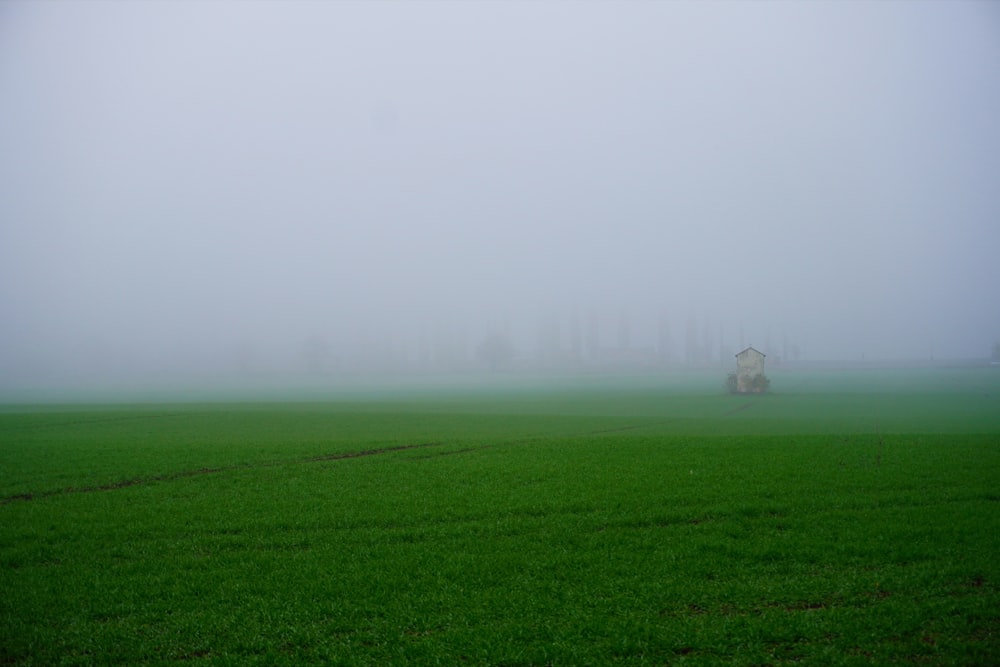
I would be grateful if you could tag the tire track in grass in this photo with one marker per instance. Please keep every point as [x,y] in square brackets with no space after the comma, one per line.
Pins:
[168,477]
[631,427]
[745,406]
[616,430]
[450,452]
[86,422]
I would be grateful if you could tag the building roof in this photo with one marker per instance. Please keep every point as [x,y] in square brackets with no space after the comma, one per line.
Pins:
[749,349]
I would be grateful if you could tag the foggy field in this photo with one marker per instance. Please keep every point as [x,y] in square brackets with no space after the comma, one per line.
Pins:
[386,333]
[850,520]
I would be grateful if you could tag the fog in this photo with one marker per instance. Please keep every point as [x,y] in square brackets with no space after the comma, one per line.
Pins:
[265,187]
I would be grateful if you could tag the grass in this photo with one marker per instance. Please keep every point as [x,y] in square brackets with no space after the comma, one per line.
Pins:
[628,524]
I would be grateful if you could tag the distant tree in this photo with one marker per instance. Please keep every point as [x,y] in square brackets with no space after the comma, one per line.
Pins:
[575,337]
[996,352]
[691,354]
[592,336]
[315,354]
[663,341]
[624,332]
[495,350]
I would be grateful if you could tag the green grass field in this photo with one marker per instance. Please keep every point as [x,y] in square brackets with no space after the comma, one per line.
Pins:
[847,518]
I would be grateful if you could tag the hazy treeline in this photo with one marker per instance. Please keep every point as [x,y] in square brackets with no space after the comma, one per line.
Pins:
[575,339]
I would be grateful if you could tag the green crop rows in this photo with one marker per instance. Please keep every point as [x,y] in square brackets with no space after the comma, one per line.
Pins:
[848,518]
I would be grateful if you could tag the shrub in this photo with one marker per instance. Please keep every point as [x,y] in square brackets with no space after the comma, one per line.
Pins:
[760,384]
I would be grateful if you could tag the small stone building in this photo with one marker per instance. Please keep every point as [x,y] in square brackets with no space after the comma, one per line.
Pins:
[750,366]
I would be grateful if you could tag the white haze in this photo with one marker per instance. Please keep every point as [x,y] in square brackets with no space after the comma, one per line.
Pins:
[194,188]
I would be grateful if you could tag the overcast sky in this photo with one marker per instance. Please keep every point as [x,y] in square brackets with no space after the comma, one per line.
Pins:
[180,178]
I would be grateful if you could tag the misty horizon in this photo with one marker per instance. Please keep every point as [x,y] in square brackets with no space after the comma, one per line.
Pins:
[298,186]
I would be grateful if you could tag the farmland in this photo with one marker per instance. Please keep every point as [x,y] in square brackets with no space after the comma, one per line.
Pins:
[847,518]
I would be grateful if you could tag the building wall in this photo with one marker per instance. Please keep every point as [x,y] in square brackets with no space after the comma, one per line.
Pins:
[749,364]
